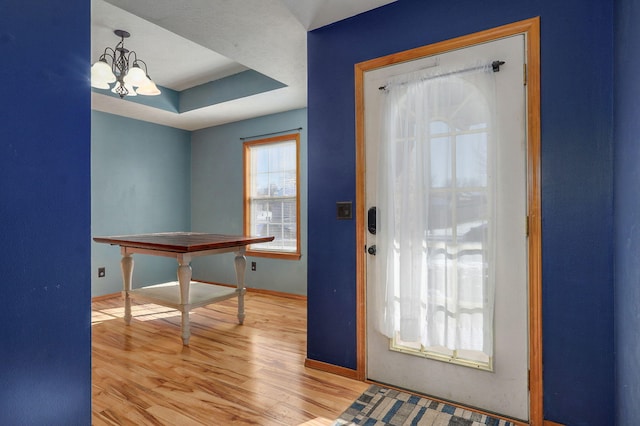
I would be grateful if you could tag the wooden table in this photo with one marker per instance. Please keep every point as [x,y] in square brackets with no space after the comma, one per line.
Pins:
[183,294]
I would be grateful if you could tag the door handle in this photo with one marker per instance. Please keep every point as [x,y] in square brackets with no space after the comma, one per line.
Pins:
[372,250]
[371,220]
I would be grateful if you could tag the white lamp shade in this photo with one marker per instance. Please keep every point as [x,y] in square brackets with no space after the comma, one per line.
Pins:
[101,74]
[149,89]
[99,85]
[136,77]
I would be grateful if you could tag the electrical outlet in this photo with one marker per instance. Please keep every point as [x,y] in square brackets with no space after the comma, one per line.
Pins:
[101,272]
[253,266]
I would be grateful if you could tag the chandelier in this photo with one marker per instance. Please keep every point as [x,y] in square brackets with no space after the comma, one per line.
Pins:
[124,70]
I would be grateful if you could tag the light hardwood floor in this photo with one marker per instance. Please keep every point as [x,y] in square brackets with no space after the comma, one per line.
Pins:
[251,374]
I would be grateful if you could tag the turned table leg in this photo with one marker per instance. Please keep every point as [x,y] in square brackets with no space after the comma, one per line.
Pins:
[126,265]
[240,265]
[184,279]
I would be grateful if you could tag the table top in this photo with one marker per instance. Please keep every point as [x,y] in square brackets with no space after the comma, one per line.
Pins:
[181,242]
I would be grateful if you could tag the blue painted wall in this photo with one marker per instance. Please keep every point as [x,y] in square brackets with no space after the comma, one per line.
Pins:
[45,347]
[140,182]
[217,185]
[236,86]
[577,180]
[627,208]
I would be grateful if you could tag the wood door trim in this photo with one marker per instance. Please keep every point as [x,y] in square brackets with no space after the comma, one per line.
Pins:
[531,29]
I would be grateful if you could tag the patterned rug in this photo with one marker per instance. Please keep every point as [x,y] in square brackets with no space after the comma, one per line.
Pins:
[381,406]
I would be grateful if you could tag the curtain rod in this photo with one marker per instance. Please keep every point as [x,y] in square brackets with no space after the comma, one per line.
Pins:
[495,67]
[269,134]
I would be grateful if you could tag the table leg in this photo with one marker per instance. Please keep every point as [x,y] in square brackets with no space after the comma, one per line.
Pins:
[184,279]
[126,265]
[240,265]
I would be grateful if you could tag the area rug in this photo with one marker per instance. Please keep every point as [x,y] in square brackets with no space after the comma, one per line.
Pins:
[381,406]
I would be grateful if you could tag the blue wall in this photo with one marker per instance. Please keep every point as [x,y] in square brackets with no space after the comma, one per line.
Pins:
[577,179]
[145,178]
[140,182]
[627,208]
[45,347]
[217,185]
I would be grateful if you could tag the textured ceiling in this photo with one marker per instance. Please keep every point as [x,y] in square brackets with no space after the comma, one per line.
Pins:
[187,44]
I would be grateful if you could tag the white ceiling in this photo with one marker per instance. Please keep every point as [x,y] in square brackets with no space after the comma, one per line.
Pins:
[191,42]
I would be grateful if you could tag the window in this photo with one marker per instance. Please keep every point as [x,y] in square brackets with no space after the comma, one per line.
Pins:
[436,246]
[272,196]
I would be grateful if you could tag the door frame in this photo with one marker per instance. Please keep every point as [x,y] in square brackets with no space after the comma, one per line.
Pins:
[531,29]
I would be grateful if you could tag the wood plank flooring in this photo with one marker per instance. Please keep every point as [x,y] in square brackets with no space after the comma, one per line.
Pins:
[251,374]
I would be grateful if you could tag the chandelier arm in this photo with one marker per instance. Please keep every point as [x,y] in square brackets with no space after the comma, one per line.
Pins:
[146,72]
[108,53]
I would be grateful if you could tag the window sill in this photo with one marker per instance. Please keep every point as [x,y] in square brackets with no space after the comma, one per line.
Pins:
[274,255]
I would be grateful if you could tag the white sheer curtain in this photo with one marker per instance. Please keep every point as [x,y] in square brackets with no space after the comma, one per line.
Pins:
[435,199]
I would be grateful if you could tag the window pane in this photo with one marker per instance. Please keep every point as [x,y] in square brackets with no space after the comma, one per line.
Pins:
[283,156]
[440,162]
[261,217]
[260,185]
[289,157]
[439,218]
[276,182]
[436,127]
[472,210]
[289,186]
[260,159]
[471,160]
[276,218]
